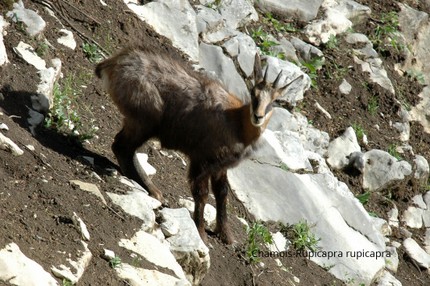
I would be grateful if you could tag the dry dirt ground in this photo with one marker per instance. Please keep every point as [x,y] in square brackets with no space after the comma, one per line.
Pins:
[37,199]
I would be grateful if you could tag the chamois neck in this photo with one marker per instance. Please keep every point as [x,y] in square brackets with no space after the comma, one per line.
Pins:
[250,132]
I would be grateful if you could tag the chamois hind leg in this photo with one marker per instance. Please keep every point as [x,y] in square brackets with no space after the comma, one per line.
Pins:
[200,191]
[124,146]
[220,188]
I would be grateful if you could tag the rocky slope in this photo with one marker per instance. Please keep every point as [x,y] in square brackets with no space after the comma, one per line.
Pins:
[345,152]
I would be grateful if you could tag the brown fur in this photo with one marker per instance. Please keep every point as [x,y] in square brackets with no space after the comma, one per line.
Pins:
[161,97]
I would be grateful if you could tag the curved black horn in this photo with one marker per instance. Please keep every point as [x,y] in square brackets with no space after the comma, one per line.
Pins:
[278,78]
[265,74]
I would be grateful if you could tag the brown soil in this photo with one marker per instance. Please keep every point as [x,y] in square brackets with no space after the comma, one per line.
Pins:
[37,199]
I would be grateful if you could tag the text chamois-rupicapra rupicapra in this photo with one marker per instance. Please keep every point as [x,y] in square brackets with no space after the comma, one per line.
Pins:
[161,97]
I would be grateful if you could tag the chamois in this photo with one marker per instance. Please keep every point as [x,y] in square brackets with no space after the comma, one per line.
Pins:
[161,97]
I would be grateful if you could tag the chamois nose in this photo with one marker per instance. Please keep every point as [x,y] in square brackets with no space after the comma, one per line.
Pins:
[257,120]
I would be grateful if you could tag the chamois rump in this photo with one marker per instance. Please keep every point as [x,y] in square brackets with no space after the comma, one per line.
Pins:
[163,98]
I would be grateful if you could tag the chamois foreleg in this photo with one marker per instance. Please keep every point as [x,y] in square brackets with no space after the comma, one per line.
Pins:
[220,188]
[125,145]
[200,192]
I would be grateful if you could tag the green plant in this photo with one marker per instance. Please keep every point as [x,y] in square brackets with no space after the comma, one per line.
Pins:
[304,239]
[66,282]
[284,167]
[92,52]
[41,49]
[372,105]
[359,130]
[63,115]
[115,262]
[277,25]
[265,43]
[257,235]
[392,150]
[416,75]
[311,68]
[332,42]
[386,33]
[363,198]
[214,5]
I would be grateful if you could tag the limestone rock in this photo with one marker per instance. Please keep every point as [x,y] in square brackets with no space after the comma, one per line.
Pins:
[304,10]
[382,169]
[187,246]
[138,204]
[417,253]
[175,20]
[340,148]
[34,24]
[18,269]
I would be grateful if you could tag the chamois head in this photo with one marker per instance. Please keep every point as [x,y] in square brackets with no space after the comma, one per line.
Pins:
[263,94]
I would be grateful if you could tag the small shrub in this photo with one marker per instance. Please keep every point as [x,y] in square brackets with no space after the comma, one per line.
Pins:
[257,235]
[92,52]
[304,239]
[115,262]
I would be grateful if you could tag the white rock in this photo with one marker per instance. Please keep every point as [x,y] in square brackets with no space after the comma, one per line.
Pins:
[426,218]
[3,54]
[387,279]
[412,217]
[18,269]
[290,72]
[427,240]
[280,243]
[44,99]
[27,53]
[340,215]
[340,148]
[237,13]
[3,126]
[77,269]
[67,39]
[426,198]
[145,277]
[304,10]
[377,73]
[9,145]
[307,51]
[142,160]
[153,250]
[212,59]
[175,20]
[247,50]
[34,24]
[209,213]
[79,223]
[345,87]
[382,226]
[187,246]
[393,217]
[418,200]
[138,204]
[132,184]
[381,169]
[422,169]
[108,254]
[392,263]
[417,253]
[211,26]
[88,187]
[313,140]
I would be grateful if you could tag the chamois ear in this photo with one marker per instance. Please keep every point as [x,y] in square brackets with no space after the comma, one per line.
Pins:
[280,90]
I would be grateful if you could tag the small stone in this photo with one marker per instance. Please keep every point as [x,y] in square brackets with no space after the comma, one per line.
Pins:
[417,253]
